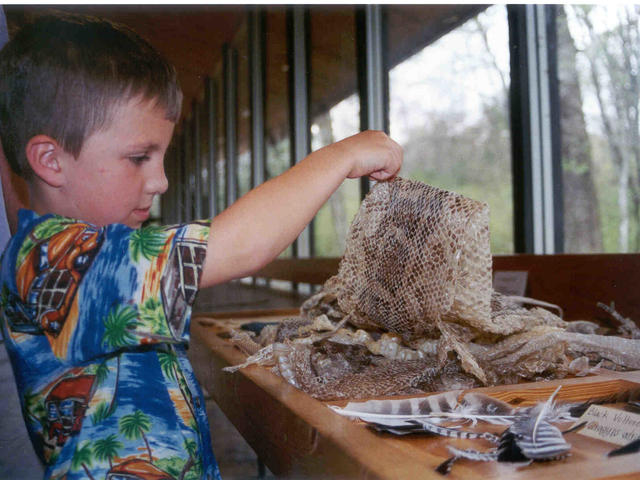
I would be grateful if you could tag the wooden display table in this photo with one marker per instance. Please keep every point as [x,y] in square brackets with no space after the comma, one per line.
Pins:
[299,437]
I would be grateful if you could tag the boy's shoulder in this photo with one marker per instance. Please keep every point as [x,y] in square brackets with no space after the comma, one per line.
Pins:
[50,256]
[73,242]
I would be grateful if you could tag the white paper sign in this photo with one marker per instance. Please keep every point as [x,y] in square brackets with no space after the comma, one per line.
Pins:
[510,282]
[610,424]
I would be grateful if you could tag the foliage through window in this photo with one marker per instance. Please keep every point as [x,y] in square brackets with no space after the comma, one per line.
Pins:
[599,78]
[449,110]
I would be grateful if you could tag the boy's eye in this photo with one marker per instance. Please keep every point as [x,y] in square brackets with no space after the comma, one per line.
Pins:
[138,159]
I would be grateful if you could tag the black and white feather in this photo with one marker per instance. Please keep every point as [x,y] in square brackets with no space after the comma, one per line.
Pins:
[448,406]
[530,438]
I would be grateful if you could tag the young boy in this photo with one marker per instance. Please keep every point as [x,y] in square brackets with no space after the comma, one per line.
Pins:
[96,309]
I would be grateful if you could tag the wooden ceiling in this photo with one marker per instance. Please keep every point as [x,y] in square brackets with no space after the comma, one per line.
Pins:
[191,37]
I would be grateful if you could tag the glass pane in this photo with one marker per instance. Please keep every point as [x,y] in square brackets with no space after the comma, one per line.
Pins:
[277,93]
[203,138]
[449,108]
[335,113]
[241,44]
[277,96]
[221,168]
[598,67]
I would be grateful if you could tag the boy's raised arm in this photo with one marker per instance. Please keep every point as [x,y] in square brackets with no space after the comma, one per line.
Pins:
[260,225]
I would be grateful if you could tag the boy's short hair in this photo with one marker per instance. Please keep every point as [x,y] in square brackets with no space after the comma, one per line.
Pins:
[62,75]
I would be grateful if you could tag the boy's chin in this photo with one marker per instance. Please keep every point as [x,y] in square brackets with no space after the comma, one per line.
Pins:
[134,225]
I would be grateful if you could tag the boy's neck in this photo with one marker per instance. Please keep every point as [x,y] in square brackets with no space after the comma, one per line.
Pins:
[42,201]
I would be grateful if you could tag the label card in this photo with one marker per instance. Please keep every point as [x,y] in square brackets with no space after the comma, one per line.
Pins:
[510,282]
[610,424]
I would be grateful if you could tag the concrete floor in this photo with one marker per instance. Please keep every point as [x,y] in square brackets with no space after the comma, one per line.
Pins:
[236,459]
[18,461]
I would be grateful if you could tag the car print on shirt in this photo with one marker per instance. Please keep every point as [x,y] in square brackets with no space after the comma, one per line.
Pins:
[48,279]
[179,287]
[66,405]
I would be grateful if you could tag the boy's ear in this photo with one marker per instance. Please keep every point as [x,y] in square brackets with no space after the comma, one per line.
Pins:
[44,155]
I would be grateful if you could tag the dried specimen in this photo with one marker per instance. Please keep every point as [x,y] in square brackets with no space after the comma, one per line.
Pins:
[412,309]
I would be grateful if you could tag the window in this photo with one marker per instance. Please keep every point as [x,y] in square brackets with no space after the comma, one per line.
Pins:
[335,110]
[599,85]
[278,143]
[449,110]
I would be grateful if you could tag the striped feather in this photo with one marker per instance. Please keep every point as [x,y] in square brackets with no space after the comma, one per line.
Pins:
[519,440]
[471,454]
[472,407]
[422,426]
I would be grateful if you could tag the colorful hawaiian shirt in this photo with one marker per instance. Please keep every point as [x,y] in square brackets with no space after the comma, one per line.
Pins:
[96,322]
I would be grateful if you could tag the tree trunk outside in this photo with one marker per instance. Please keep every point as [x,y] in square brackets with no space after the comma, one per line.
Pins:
[582,228]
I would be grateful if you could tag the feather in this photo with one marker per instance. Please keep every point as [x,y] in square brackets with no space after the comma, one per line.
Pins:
[576,427]
[445,467]
[476,455]
[630,395]
[631,447]
[472,407]
[533,437]
[632,407]
[546,407]
[530,438]
[547,444]
[422,426]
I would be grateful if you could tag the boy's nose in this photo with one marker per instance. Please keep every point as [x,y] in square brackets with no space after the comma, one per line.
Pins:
[157,182]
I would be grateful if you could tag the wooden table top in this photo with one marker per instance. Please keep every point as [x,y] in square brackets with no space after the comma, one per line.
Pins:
[299,437]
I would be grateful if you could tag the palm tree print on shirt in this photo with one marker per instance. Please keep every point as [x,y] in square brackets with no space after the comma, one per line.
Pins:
[134,426]
[147,242]
[83,458]
[107,449]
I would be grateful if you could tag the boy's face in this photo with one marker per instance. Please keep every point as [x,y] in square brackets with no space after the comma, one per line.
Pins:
[120,167]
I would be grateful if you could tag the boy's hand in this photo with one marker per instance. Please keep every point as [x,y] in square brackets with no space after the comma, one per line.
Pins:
[371,153]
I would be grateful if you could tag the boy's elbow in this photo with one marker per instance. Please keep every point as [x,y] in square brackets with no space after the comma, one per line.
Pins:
[256,260]
[231,267]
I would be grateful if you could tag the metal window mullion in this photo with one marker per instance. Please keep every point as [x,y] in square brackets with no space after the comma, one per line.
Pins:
[550,16]
[257,70]
[373,74]
[374,98]
[535,132]
[230,120]
[542,155]
[197,160]
[546,133]
[211,95]
[299,105]
[535,126]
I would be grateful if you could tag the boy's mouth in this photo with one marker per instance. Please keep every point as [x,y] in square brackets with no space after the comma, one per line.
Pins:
[142,213]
